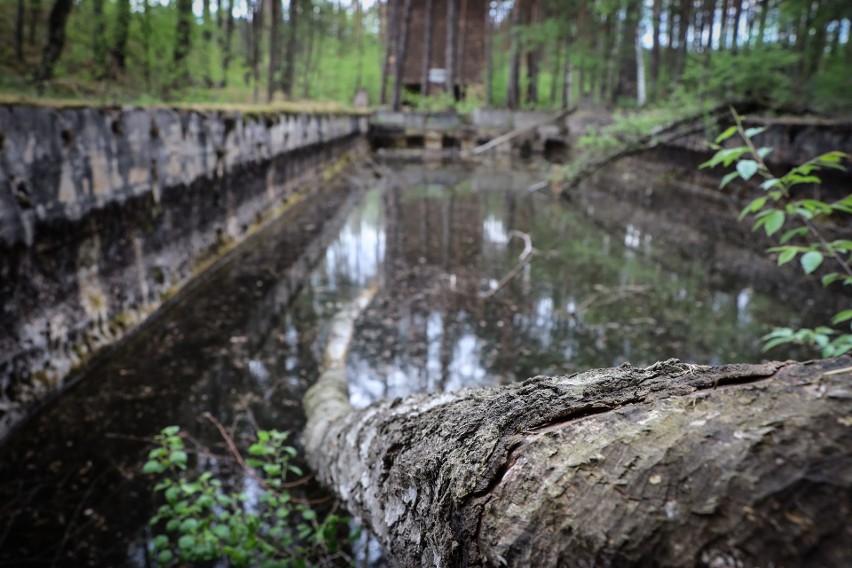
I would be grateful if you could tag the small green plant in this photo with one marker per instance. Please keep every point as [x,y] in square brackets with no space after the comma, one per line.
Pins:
[200,521]
[778,209]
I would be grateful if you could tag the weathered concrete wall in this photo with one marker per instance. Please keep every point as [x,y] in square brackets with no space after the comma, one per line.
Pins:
[106,213]
[432,130]
[793,139]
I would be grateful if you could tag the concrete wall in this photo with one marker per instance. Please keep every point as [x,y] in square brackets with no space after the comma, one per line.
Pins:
[793,140]
[105,213]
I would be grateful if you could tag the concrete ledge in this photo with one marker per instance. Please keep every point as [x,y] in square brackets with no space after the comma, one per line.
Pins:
[106,213]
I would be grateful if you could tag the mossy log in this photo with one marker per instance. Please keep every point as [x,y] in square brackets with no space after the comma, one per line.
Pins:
[669,465]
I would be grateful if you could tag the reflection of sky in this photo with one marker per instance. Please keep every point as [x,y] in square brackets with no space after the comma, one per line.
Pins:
[590,298]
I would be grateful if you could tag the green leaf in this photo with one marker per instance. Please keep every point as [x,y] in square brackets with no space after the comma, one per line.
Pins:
[730,131]
[165,556]
[728,179]
[792,233]
[188,525]
[770,183]
[843,316]
[752,132]
[811,261]
[178,457]
[764,151]
[829,279]
[786,256]
[272,469]
[747,168]
[170,430]
[774,221]
[152,466]
[172,494]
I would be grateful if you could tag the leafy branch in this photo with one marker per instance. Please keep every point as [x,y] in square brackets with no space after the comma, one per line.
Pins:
[778,207]
[200,521]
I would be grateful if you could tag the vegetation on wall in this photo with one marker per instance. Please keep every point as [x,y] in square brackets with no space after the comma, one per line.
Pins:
[794,218]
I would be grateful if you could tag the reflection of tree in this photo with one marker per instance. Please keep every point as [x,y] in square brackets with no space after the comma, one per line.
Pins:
[592,298]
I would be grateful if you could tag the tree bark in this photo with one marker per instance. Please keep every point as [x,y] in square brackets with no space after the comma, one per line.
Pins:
[735,34]
[183,41]
[427,50]
[450,49]
[55,38]
[513,93]
[122,32]
[390,51]
[99,39]
[19,31]
[288,78]
[672,465]
[227,43]
[399,60]
[275,16]
[683,26]
[35,16]
[656,17]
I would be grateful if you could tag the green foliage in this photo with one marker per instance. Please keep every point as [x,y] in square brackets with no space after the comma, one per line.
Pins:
[200,521]
[776,209]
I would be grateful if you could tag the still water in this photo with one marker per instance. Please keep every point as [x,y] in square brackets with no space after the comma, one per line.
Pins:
[457,308]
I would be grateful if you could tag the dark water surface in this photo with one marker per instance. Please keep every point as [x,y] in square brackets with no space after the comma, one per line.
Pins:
[244,344]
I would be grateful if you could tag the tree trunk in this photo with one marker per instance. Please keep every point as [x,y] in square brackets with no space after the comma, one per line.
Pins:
[761,26]
[450,49]
[672,465]
[513,91]
[393,21]
[256,39]
[206,37]
[310,60]
[122,32]
[723,26]
[735,33]
[183,41]
[99,39]
[55,38]
[19,31]
[489,60]
[275,16]
[656,17]
[427,50]
[227,43]
[641,95]
[683,26]
[399,58]
[288,78]
[35,16]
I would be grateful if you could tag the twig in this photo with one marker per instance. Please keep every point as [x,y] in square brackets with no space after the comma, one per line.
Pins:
[523,259]
[518,131]
[235,452]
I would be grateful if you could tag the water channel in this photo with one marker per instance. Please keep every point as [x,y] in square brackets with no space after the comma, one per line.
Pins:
[457,308]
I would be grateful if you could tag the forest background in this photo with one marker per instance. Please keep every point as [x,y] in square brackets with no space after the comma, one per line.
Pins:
[790,54]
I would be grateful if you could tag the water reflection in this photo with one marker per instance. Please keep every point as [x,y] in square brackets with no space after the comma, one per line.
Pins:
[245,345]
[441,238]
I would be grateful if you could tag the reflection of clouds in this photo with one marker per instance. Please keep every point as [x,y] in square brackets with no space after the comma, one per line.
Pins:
[357,254]
[494,231]
[434,334]
[744,306]
[258,370]
[544,320]
[466,368]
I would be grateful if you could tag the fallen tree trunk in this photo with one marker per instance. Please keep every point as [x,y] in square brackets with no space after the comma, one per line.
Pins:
[491,144]
[670,465]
